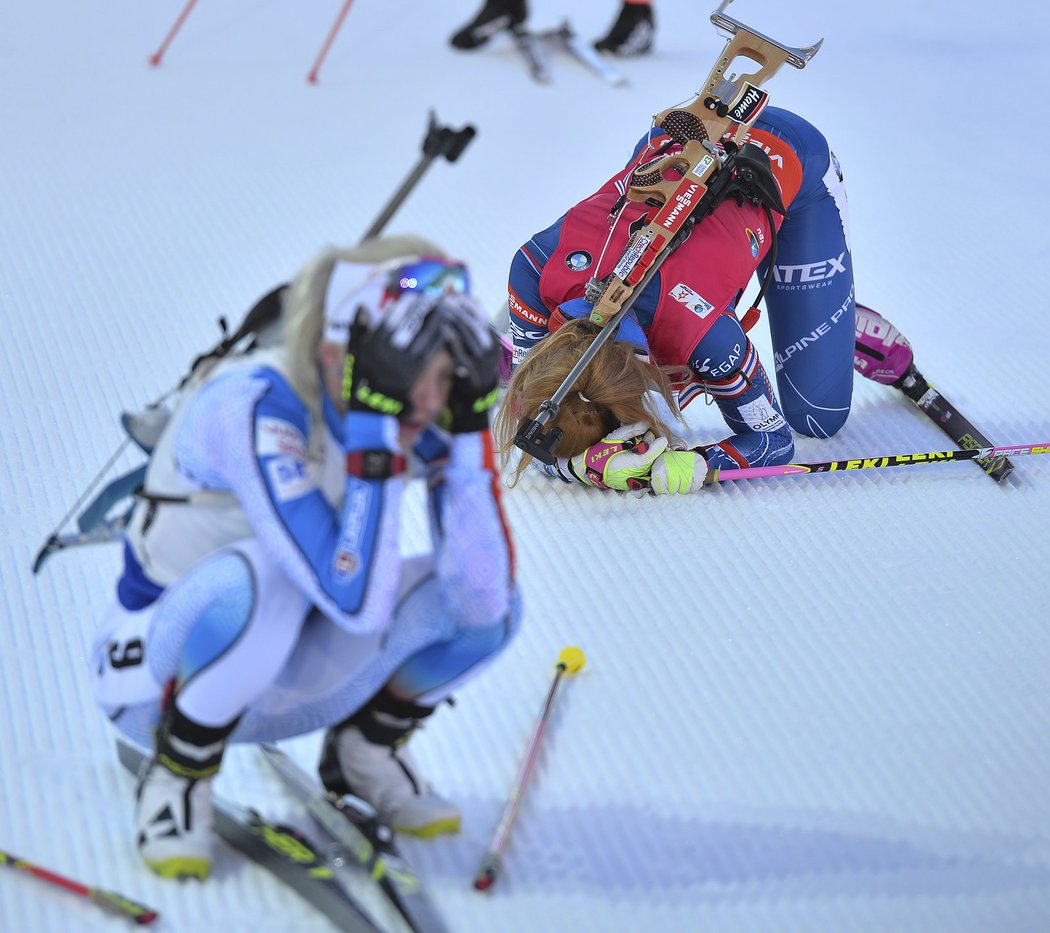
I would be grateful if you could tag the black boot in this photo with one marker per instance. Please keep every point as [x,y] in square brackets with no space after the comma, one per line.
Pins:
[632,33]
[495,16]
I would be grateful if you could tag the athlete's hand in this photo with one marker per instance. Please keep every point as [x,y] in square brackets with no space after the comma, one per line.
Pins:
[622,460]
[477,355]
[678,472]
[385,356]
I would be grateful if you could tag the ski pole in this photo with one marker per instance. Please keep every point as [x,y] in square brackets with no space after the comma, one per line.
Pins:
[312,76]
[155,58]
[439,141]
[107,900]
[570,660]
[877,463]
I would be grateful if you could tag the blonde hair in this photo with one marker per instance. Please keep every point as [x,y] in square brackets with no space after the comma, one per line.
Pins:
[302,315]
[612,390]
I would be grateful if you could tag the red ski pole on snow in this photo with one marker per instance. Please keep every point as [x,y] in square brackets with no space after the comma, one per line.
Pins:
[569,661]
[155,58]
[107,900]
[336,26]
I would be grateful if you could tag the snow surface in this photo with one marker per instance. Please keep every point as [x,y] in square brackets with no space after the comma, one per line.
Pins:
[813,703]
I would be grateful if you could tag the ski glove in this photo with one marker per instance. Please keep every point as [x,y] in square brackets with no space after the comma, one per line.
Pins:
[385,355]
[678,472]
[622,460]
[477,355]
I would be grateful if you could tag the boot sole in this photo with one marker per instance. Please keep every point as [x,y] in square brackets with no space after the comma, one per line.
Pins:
[181,867]
[437,828]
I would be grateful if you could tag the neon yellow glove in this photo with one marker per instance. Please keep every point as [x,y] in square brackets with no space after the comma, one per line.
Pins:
[621,460]
[678,473]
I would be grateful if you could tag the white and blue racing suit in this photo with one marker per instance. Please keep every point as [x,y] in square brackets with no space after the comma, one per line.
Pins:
[267,585]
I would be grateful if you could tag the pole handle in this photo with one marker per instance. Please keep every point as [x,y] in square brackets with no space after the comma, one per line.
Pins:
[439,141]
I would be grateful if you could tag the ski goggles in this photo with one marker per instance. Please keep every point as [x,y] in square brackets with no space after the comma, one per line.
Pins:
[353,286]
[431,277]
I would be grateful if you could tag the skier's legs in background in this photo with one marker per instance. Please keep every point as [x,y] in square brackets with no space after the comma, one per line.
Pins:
[631,33]
[494,17]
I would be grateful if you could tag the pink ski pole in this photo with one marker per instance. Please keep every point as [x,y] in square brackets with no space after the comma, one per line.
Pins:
[312,76]
[155,58]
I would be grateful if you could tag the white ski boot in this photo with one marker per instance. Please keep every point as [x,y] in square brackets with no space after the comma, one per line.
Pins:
[173,822]
[386,777]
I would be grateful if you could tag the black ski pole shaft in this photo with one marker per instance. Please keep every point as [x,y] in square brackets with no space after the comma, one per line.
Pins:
[878,463]
[439,141]
[107,900]
[54,540]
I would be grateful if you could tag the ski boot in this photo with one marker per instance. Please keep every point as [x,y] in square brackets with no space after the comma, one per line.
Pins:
[365,755]
[173,800]
[494,17]
[632,33]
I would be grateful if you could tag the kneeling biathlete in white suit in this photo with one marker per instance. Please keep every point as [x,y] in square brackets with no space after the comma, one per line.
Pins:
[264,593]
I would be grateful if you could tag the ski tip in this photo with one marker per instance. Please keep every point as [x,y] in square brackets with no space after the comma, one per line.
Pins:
[571,659]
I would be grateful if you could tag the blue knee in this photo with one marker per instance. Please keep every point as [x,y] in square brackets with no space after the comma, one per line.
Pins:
[224,616]
[445,662]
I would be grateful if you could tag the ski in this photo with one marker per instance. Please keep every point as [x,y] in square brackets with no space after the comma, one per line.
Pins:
[533,53]
[283,851]
[929,401]
[565,38]
[354,825]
